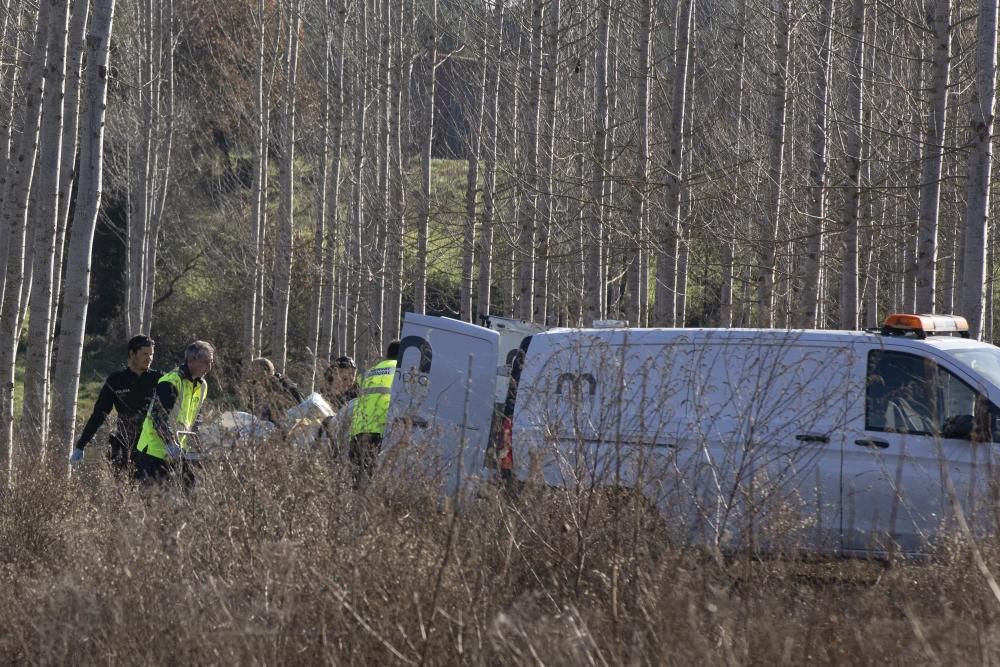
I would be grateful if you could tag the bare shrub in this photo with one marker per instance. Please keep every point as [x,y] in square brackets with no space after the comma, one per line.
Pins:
[272,559]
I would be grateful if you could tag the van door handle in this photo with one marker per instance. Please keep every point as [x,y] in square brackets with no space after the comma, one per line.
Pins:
[812,437]
[871,442]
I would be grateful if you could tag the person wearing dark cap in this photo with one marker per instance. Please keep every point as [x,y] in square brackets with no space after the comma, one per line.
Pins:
[341,382]
[128,392]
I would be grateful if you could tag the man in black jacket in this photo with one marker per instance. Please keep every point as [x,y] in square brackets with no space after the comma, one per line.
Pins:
[129,392]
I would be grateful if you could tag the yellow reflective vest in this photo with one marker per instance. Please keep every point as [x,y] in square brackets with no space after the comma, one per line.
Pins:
[372,404]
[190,395]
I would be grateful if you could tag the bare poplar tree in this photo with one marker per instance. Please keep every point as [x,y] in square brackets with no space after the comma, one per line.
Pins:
[932,158]
[528,215]
[473,145]
[335,20]
[977,203]
[150,157]
[399,84]
[495,46]
[429,44]
[548,90]
[44,220]
[13,214]
[808,302]
[88,202]
[849,306]
[666,264]
[355,327]
[284,242]
[778,113]
[321,185]
[71,112]
[729,244]
[638,207]
[10,43]
[594,273]
[252,305]
[328,309]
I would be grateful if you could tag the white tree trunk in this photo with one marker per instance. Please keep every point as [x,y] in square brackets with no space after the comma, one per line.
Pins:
[358,280]
[528,217]
[283,247]
[377,241]
[638,206]
[321,185]
[143,162]
[426,143]
[495,45]
[726,305]
[778,127]
[335,66]
[45,223]
[13,213]
[8,90]
[88,202]
[979,171]
[252,305]
[665,313]
[807,307]
[71,115]
[165,140]
[399,83]
[849,305]
[151,158]
[594,272]
[933,155]
[10,42]
[546,202]
[473,145]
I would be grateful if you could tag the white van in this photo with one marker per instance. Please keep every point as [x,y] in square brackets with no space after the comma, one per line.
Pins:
[855,443]
[452,381]
[442,405]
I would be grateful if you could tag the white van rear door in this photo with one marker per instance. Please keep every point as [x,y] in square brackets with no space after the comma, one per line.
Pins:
[442,403]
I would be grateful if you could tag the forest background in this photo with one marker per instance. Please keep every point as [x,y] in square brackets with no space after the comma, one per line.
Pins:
[286,177]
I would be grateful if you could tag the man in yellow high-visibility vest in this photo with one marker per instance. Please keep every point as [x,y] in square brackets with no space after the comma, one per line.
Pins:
[173,412]
[369,415]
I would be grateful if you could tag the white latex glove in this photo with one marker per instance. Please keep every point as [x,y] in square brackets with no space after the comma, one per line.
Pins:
[76,457]
[174,451]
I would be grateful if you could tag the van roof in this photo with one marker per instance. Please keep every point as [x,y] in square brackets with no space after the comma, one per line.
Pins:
[706,332]
[640,336]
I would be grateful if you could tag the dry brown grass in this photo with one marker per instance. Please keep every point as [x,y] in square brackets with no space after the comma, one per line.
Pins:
[277,561]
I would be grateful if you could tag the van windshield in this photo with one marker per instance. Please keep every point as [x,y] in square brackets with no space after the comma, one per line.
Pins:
[983,361]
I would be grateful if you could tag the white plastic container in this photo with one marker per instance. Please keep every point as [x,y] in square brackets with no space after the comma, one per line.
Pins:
[315,407]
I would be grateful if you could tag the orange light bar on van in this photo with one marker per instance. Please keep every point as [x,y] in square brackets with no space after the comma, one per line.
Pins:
[927,324]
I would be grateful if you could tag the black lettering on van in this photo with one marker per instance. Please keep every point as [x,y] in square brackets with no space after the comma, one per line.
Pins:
[422,344]
[575,380]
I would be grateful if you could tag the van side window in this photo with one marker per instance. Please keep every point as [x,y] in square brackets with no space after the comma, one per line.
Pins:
[909,394]
[898,397]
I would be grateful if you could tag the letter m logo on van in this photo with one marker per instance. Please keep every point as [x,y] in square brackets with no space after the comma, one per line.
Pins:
[576,385]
